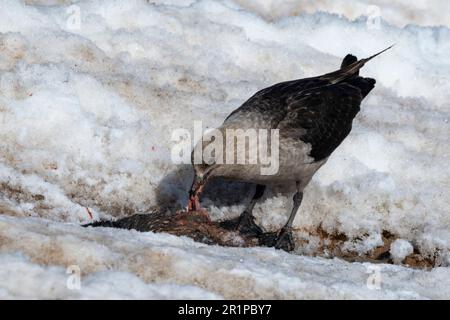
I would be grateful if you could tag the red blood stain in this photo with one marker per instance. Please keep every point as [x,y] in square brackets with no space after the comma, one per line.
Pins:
[89,213]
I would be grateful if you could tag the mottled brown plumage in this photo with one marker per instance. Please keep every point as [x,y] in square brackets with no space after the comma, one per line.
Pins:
[313,115]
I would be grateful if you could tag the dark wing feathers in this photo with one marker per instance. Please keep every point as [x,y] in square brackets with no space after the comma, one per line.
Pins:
[348,60]
[363,84]
[312,110]
[317,110]
[322,117]
[271,101]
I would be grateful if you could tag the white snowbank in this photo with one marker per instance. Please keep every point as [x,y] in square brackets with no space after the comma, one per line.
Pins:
[399,12]
[119,263]
[86,116]
[22,279]
[400,249]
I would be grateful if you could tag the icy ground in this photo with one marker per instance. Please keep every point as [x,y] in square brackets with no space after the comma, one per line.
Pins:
[87,108]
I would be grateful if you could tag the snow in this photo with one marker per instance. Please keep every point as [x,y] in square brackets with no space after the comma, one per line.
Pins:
[400,249]
[128,264]
[86,116]
[399,13]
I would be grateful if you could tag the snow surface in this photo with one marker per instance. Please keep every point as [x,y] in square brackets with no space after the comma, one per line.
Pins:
[119,263]
[86,116]
[400,249]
